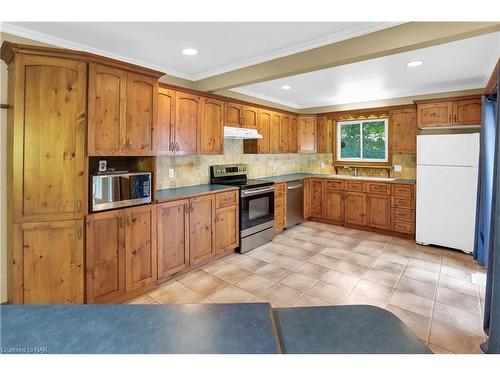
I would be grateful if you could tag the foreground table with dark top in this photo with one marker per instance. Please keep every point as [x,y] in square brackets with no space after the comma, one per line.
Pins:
[252,328]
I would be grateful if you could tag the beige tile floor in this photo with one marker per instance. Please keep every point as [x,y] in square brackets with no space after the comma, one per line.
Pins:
[315,264]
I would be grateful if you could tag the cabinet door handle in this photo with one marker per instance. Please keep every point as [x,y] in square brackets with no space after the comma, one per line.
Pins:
[124,144]
[454,118]
[78,206]
[449,118]
[171,146]
[79,232]
[186,208]
[191,208]
[128,220]
[129,144]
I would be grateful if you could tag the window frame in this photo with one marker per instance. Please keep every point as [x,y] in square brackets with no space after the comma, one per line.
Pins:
[361,159]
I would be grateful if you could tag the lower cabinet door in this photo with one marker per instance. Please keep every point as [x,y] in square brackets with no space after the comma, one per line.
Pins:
[140,246]
[378,211]
[355,208]
[307,199]
[334,205]
[226,229]
[173,237]
[317,198]
[48,263]
[201,229]
[105,256]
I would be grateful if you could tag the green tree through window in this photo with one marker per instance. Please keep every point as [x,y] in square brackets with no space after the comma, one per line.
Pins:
[363,140]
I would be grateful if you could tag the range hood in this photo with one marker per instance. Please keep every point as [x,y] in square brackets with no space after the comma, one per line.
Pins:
[241,133]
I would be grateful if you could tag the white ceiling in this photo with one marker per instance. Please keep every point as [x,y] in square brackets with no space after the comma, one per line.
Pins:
[461,65]
[222,46]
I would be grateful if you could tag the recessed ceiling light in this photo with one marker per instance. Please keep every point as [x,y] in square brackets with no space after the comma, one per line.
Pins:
[414,63]
[189,51]
[286,87]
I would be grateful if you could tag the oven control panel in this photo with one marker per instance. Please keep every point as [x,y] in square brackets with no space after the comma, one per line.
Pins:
[229,170]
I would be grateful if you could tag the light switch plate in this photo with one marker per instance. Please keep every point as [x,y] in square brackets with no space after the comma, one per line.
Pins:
[171,173]
[398,168]
[103,165]
[322,165]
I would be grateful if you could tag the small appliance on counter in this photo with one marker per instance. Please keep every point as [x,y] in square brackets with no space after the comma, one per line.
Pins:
[256,204]
[110,190]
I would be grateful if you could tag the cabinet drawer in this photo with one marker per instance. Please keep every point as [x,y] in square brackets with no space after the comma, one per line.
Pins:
[280,189]
[398,202]
[279,211]
[379,188]
[226,199]
[279,222]
[403,226]
[399,214]
[354,186]
[405,191]
[279,201]
[334,185]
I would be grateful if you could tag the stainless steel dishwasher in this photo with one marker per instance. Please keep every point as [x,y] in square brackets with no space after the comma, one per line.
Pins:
[294,203]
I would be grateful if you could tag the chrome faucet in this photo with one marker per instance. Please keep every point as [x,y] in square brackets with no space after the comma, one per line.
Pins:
[354,170]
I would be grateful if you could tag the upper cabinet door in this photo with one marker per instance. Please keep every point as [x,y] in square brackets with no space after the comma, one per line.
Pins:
[274,133]
[49,138]
[293,135]
[107,111]
[187,123]
[284,133]
[142,107]
[403,131]
[166,121]
[467,112]
[250,117]
[307,135]
[233,114]
[435,114]
[212,127]
[264,125]
[324,135]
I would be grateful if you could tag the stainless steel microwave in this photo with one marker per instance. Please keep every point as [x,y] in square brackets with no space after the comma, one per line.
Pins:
[116,190]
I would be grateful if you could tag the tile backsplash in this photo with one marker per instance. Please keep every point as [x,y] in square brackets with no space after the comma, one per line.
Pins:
[193,170]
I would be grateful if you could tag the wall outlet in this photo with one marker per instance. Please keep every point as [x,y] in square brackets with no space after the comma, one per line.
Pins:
[171,173]
[398,168]
[322,165]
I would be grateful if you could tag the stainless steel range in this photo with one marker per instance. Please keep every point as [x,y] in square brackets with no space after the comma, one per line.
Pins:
[256,204]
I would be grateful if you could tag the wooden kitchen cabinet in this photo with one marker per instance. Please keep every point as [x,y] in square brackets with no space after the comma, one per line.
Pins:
[48,263]
[226,229]
[461,111]
[355,208]
[233,114]
[334,205]
[317,189]
[201,229]
[306,134]
[293,135]
[284,134]
[107,93]
[274,133]
[324,135]
[166,122]
[262,145]
[280,197]
[105,257]
[188,114]
[435,114]
[403,131]
[249,117]
[467,111]
[378,211]
[307,198]
[173,237]
[212,127]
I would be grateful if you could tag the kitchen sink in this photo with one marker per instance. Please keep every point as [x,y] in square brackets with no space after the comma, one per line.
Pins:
[347,177]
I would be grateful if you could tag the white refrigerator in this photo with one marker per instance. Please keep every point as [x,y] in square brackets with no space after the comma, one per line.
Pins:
[447,176]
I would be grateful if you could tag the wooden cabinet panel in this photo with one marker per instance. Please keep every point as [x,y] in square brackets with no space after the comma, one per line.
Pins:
[166,121]
[250,117]
[403,227]
[399,202]
[317,197]
[264,125]
[233,114]
[399,214]
[378,187]
[173,237]
[201,229]
[105,257]
[378,208]
[187,123]
[355,208]
[293,135]
[140,247]
[403,131]
[274,133]
[355,185]
[48,139]
[307,134]
[106,111]
[227,229]
[226,199]
[405,191]
[334,185]
[324,135]
[284,133]
[212,127]
[434,114]
[142,107]
[48,263]
[467,112]
[307,198]
[334,205]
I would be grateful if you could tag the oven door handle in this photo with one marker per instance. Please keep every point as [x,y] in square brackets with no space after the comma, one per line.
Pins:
[248,193]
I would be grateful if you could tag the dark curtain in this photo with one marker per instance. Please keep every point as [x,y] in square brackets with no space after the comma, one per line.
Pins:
[492,297]
[485,183]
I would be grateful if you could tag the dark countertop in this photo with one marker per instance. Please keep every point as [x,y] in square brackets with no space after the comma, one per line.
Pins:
[345,330]
[155,329]
[301,176]
[165,195]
